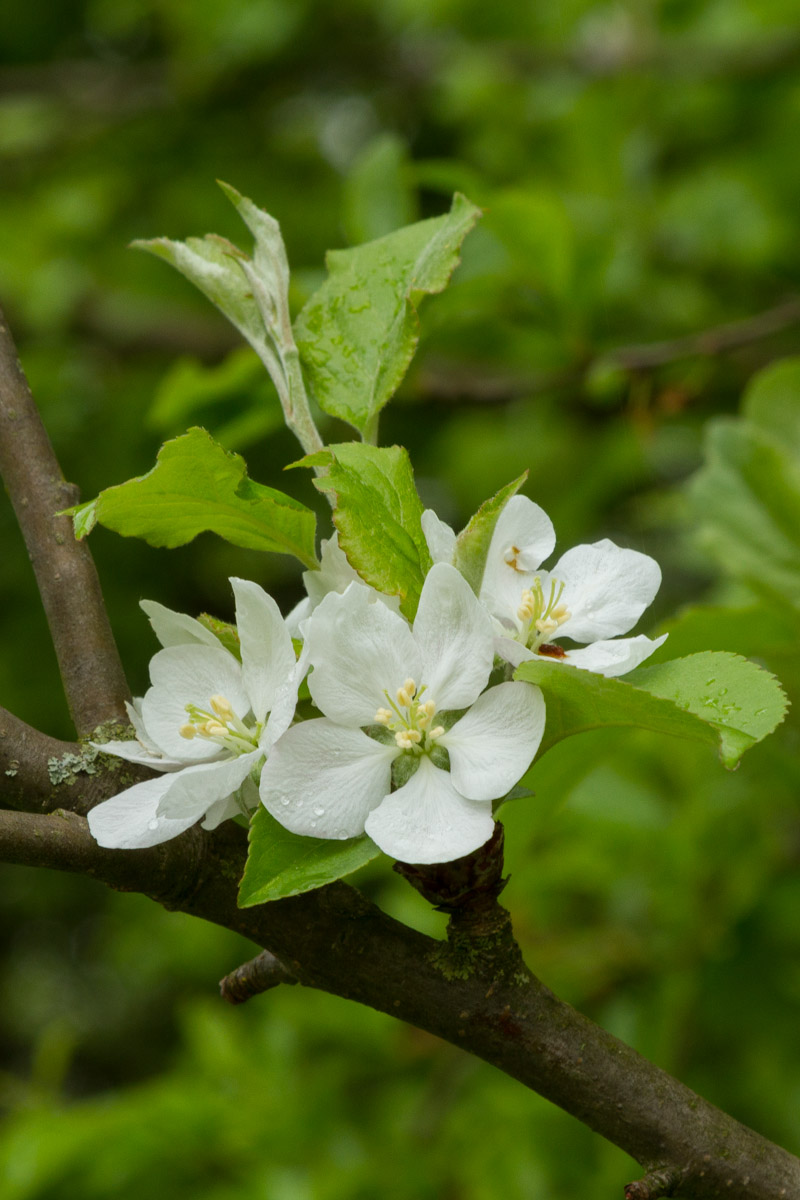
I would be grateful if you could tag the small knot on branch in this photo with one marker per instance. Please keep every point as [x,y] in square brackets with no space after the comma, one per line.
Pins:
[654,1185]
[470,883]
[260,974]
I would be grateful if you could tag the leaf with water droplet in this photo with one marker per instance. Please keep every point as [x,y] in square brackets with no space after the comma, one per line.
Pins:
[668,698]
[280,863]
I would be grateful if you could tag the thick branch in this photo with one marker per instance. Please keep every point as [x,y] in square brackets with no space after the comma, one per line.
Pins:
[335,940]
[94,682]
[40,774]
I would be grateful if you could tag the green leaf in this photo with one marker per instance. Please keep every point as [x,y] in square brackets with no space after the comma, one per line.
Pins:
[772,402]
[358,333]
[717,698]
[195,487]
[280,863]
[216,267]
[472,544]
[739,699]
[377,514]
[747,499]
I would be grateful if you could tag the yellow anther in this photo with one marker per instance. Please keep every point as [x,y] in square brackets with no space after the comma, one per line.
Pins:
[222,707]
[438,731]
[213,729]
[383,716]
[546,625]
[406,693]
[188,732]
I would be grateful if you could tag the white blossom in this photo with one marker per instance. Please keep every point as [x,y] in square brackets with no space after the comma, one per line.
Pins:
[389,694]
[592,594]
[334,575]
[206,723]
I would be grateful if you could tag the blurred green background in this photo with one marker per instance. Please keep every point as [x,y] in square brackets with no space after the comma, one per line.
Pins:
[638,165]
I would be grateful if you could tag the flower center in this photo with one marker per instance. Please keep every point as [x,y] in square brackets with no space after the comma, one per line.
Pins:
[541,615]
[221,725]
[410,718]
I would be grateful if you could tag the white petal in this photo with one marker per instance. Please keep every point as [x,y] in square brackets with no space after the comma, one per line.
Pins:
[323,779]
[358,649]
[512,651]
[134,752]
[523,537]
[197,788]
[130,821]
[297,616]
[428,821]
[221,810]
[456,637]
[440,537]
[493,744]
[612,658]
[606,589]
[285,703]
[176,629]
[334,574]
[267,653]
[184,675]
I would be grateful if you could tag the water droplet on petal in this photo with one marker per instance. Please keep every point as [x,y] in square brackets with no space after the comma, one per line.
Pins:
[285,801]
[313,824]
[152,824]
[319,811]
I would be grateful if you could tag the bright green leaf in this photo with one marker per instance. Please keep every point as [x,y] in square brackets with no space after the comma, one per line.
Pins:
[281,863]
[715,698]
[739,699]
[378,198]
[472,544]
[772,402]
[358,333]
[195,487]
[377,514]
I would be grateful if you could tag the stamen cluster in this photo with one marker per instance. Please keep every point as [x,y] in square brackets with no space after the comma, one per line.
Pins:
[540,614]
[221,725]
[409,718]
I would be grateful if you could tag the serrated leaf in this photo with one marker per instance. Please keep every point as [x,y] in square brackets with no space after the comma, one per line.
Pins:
[717,698]
[741,700]
[357,334]
[280,863]
[196,487]
[215,266]
[472,544]
[377,514]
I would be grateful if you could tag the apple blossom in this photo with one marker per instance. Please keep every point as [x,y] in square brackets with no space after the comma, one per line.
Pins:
[206,723]
[593,593]
[392,698]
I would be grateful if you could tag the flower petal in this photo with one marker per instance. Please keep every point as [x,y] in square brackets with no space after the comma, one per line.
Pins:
[184,675]
[135,752]
[455,635]
[440,537]
[612,658]
[358,649]
[285,702]
[494,743]
[176,629]
[606,589]
[267,653]
[523,537]
[323,779]
[428,821]
[197,788]
[130,821]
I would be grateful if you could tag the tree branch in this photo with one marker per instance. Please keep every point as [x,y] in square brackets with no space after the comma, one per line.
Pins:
[335,940]
[254,977]
[39,774]
[94,682]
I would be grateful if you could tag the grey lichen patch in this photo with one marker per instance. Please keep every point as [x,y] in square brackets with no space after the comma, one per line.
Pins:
[66,769]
